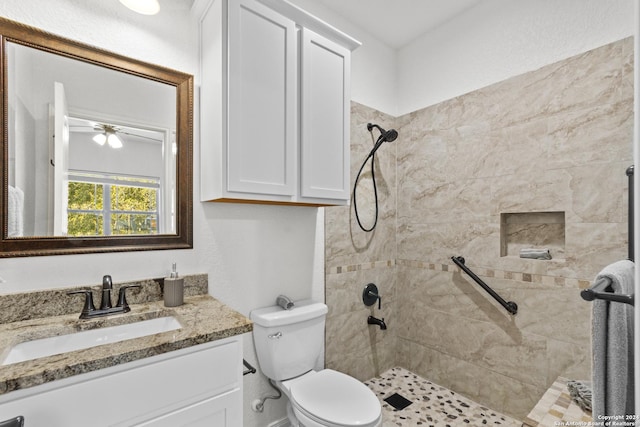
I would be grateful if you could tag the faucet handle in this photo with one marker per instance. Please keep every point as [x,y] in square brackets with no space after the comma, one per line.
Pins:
[88,302]
[122,296]
[370,295]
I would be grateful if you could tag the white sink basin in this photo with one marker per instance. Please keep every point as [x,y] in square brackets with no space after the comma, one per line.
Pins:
[43,347]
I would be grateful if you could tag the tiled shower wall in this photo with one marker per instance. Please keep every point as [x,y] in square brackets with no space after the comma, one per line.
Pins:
[555,141]
[354,258]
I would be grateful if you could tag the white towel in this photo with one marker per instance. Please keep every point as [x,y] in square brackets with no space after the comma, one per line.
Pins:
[15,208]
[612,346]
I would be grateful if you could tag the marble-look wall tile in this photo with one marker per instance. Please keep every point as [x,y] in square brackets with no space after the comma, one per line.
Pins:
[358,349]
[354,258]
[603,133]
[496,391]
[590,79]
[516,237]
[345,242]
[557,139]
[352,346]
[479,241]
[567,360]
[591,246]
[344,291]
[502,348]
[627,69]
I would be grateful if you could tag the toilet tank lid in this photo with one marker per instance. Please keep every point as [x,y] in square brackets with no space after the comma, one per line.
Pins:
[277,316]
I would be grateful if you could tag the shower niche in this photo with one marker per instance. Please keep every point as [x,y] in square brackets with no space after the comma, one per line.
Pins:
[536,230]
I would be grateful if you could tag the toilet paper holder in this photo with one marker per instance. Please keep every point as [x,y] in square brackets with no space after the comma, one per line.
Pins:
[250,369]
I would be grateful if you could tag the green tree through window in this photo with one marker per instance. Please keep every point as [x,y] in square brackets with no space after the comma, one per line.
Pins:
[85,214]
[109,209]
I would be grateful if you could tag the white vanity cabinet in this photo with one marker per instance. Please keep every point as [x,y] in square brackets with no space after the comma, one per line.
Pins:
[195,386]
[275,104]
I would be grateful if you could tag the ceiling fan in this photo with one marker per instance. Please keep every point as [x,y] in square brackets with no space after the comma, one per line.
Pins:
[107,135]
[112,134]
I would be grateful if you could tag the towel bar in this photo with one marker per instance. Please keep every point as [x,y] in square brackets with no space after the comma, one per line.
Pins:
[599,291]
[630,202]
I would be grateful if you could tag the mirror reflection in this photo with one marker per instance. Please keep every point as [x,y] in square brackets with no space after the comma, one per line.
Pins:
[91,150]
[96,149]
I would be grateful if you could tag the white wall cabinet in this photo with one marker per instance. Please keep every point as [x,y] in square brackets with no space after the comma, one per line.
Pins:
[274,116]
[324,118]
[196,386]
[261,100]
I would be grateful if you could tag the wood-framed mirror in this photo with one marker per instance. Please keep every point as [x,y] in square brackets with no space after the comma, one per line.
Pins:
[96,149]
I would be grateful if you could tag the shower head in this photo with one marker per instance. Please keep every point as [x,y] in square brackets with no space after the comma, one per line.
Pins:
[385,136]
[390,135]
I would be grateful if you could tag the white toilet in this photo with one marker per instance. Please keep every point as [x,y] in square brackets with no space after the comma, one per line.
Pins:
[289,344]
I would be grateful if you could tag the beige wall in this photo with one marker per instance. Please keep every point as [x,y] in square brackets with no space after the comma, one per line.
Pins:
[557,139]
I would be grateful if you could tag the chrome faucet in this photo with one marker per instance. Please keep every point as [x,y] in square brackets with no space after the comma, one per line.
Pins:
[89,310]
[375,321]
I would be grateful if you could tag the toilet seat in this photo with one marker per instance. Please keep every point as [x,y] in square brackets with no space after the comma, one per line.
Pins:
[331,398]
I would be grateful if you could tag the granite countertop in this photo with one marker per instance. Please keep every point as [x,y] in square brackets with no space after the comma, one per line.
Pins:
[202,317]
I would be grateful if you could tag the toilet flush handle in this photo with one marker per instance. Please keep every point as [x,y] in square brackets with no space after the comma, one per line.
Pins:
[275,336]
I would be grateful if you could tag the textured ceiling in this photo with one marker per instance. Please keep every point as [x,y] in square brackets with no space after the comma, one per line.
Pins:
[398,22]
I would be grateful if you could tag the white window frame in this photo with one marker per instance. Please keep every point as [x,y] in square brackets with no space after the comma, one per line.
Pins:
[107,180]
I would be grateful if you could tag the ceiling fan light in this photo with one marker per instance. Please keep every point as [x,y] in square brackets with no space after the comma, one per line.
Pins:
[114,141]
[100,138]
[144,7]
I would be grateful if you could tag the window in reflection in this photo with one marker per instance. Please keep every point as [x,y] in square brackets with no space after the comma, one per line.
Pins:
[110,206]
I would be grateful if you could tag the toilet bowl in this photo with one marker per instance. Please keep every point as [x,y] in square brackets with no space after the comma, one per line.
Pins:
[289,347]
[328,398]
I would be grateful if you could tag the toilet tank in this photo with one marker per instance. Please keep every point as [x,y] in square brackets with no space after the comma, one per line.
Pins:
[289,342]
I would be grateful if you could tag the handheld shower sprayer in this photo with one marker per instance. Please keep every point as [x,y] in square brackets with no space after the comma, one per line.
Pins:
[385,136]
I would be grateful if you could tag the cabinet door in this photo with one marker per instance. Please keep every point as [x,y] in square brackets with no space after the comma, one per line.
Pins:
[261,139]
[175,386]
[325,112]
[220,411]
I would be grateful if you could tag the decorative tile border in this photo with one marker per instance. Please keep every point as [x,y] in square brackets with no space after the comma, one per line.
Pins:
[364,266]
[480,271]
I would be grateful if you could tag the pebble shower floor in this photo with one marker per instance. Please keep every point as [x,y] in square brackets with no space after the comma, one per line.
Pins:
[433,405]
